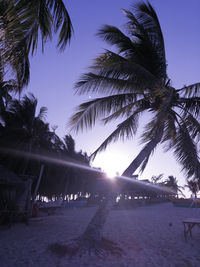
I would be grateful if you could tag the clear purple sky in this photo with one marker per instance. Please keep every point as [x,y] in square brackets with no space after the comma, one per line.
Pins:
[53,74]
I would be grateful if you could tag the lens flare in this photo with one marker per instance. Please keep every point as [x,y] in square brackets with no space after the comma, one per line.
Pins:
[70,163]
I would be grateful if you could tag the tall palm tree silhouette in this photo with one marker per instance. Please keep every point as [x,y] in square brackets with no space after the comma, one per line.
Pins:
[133,79]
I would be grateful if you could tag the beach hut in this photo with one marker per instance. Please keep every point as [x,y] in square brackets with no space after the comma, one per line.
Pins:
[15,196]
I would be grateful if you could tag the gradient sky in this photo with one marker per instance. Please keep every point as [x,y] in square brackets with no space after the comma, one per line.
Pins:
[54,74]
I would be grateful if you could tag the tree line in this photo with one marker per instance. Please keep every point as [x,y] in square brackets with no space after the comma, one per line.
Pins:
[23,129]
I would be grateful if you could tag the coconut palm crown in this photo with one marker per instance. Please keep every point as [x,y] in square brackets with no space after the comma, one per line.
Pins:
[133,77]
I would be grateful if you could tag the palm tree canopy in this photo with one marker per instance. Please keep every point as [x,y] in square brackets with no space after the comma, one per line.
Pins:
[22,22]
[133,79]
[32,17]
[22,125]
[193,186]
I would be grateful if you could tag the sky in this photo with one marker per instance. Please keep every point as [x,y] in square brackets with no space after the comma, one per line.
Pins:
[54,74]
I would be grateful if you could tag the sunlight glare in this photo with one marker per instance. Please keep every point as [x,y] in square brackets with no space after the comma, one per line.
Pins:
[110,162]
[111,173]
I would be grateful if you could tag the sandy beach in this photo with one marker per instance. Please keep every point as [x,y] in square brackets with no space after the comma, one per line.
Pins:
[147,236]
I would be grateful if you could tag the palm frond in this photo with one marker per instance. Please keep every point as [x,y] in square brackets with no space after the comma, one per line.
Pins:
[114,36]
[117,77]
[35,16]
[144,164]
[93,83]
[44,15]
[127,70]
[170,129]
[13,51]
[88,112]
[186,152]
[148,19]
[160,118]
[20,64]
[136,106]
[191,104]
[62,21]
[42,113]
[149,44]
[193,127]
[152,129]
[127,129]
[107,58]
[192,90]
[69,144]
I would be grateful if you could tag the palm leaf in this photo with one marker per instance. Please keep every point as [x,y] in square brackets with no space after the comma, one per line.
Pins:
[122,76]
[94,83]
[193,126]
[126,129]
[135,106]
[42,113]
[144,164]
[114,36]
[63,21]
[43,15]
[149,20]
[186,152]
[191,90]
[89,111]
[12,53]
[191,105]
[170,130]
[149,44]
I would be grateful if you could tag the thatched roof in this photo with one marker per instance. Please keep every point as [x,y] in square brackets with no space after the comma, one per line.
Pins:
[7,177]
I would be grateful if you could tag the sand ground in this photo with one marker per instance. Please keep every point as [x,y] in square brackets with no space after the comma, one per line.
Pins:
[148,236]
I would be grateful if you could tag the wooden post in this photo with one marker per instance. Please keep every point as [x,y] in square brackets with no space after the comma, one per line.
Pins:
[38,183]
[36,188]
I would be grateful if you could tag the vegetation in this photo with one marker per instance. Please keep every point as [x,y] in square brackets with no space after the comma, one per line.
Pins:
[24,24]
[133,77]
[171,182]
[193,186]
[22,130]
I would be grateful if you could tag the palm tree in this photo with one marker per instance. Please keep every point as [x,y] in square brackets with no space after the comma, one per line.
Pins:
[75,176]
[193,186]
[61,180]
[172,183]
[23,129]
[134,80]
[22,22]
[156,179]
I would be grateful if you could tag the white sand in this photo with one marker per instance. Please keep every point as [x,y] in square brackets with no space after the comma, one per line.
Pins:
[144,234]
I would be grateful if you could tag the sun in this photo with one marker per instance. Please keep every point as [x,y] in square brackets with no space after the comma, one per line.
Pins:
[110,173]
[110,163]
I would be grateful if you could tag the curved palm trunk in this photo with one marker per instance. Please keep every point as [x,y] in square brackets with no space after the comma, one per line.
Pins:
[91,238]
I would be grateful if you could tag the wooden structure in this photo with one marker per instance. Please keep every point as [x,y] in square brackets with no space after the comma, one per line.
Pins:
[15,196]
[189,224]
